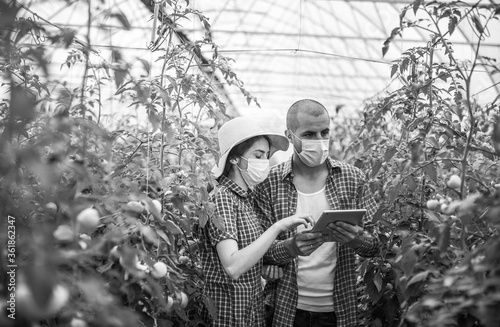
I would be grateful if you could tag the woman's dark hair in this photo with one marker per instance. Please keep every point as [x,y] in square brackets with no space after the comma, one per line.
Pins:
[241,148]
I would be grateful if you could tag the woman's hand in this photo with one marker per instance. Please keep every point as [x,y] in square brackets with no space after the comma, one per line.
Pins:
[272,272]
[294,221]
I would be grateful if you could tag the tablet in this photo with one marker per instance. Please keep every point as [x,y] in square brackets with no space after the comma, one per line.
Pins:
[353,217]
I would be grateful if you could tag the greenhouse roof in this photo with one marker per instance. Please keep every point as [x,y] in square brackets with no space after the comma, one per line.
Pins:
[285,50]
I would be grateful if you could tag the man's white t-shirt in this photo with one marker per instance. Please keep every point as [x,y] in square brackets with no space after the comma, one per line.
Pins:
[316,271]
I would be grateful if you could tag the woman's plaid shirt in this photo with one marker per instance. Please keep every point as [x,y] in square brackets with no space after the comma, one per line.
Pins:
[275,199]
[239,302]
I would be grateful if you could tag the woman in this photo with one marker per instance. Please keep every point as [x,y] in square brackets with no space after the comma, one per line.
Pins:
[232,254]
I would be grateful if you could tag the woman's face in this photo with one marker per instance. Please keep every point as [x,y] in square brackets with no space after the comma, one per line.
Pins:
[258,150]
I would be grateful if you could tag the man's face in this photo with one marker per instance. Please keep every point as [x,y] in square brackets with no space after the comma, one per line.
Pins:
[310,128]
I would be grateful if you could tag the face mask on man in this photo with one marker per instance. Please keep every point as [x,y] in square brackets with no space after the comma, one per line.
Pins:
[314,152]
[256,172]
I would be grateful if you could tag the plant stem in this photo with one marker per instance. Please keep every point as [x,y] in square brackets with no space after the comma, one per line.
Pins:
[84,78]
[162,146]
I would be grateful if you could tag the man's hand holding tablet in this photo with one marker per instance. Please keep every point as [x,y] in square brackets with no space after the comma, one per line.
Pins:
[342,226]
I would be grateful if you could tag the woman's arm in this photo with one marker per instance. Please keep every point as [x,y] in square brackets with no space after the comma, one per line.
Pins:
[238,261]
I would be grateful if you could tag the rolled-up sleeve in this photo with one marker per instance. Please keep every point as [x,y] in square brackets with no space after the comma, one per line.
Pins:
[224,208]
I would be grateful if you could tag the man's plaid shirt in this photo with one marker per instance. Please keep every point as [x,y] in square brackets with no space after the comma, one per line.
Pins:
[239,302]
[275,199]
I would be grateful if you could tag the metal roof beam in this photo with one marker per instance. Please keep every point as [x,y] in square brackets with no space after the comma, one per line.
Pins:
[324,75]
[270,87]
[337,36]
[404,2]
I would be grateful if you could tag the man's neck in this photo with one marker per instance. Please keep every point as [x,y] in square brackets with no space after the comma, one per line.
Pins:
[301,169]
[308,179]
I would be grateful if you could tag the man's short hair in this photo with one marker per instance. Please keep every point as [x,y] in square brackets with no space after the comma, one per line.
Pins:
[304,106]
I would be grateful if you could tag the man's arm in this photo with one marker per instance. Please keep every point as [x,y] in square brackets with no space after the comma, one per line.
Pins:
[363,241]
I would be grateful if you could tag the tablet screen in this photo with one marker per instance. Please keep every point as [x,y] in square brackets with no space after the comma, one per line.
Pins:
[353,217]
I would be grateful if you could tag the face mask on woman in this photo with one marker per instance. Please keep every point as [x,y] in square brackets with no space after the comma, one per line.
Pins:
[256,172]
[314,152]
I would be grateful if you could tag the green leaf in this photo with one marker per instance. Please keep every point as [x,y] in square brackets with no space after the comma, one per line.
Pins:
[153,119]
[105,267]
[145,65]
[185,223]
[164,323]
[210,306]
[394,32]
[419,277]
[163,236]
[412,184]
[408,261]
[149,234]
[444,238]
[164,96]
[452,23]
[416,152]
[377,280]
[172,227]
[152,208]
[218,221]
[495,136]
[394,69]
[123,88]
[38,55]
[119,76]
[477,24]
[432,216]
[371,287]
[381,210]
[67,35]
[122,19]
[432,141]
[393,194]
[389,153]
[415,123]
[416,4]
[430,170]
[376,167]
[169,132]
[402,16]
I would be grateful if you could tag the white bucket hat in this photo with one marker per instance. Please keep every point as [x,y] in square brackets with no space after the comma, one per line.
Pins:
[240,129]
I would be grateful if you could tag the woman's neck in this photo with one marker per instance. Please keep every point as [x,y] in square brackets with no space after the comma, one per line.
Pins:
[235,176]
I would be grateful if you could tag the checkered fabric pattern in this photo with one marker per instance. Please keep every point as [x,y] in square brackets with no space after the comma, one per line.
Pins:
[239,302]
[275,199]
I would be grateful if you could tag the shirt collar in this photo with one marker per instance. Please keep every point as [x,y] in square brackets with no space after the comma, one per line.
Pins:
[287,168]
[230,184]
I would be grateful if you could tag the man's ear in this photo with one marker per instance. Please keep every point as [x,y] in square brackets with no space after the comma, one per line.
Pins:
[290,137]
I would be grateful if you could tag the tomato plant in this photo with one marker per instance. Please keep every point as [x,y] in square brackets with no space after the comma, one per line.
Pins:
[106,220]
[431,151]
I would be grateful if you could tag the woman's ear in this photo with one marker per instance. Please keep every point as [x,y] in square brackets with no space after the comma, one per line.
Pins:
[234,161]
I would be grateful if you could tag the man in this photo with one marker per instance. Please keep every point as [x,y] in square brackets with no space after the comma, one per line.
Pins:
[318,287]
